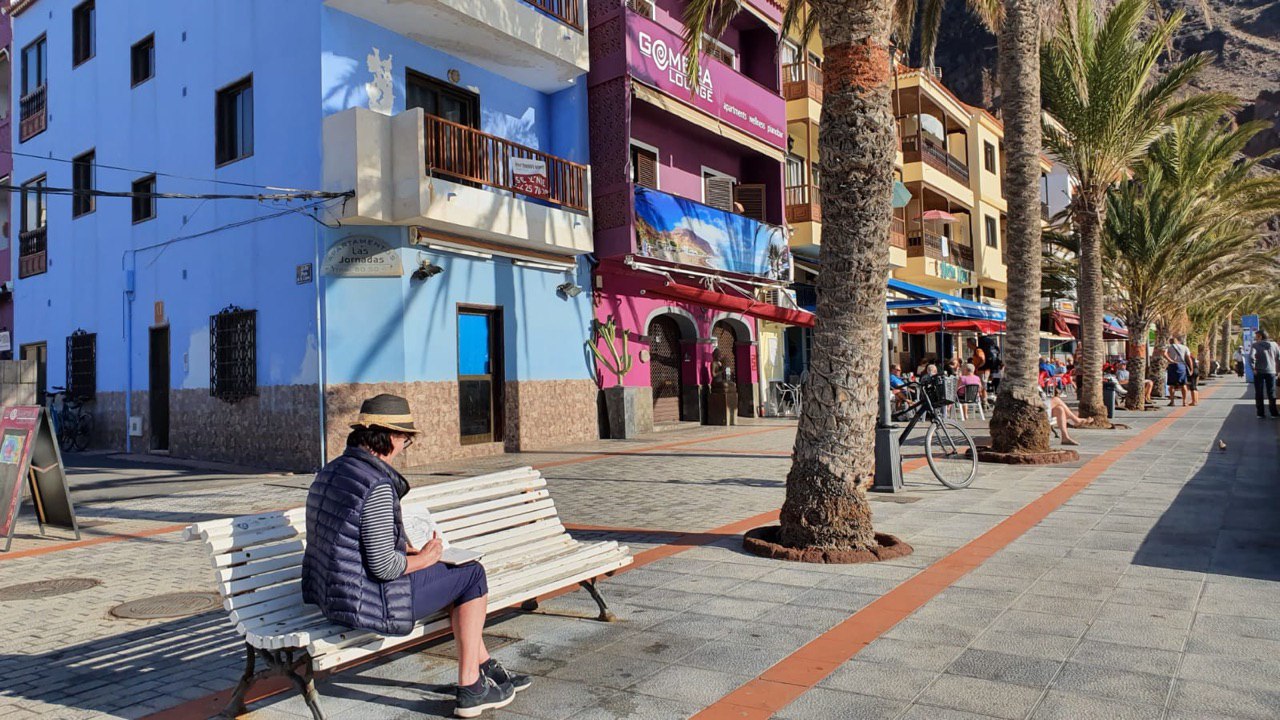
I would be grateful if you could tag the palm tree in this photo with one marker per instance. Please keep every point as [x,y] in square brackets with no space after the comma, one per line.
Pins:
[826,505]
[1181,237]
[1099,82]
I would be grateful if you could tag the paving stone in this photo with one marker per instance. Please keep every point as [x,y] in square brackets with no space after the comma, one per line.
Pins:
[635,706]
[1004,700]
[656,646]
[1049,624]
[1004,667]
[1032,645]
[911,654]
[689,684]
[1126,657]
[1255,674]
[1113,683]
[1145,615]
[822,703]
[1198,699]
[1137,635]
[608,669]
[879,679]
[932,712]
[925,631]
[1242,626]
[736,658]
[1058,705]
[1067,607]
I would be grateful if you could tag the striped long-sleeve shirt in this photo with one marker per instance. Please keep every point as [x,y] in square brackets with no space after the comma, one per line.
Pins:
[378,535]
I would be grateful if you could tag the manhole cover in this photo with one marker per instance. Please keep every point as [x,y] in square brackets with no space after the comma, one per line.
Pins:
[167,606]
[47,588]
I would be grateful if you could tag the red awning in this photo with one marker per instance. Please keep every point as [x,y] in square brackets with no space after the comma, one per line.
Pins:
[985,327]
[733,303]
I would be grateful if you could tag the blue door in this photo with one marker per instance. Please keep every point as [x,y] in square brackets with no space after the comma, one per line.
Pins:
[480,377]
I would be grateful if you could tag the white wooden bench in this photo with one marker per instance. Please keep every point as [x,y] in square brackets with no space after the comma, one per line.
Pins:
[257,563]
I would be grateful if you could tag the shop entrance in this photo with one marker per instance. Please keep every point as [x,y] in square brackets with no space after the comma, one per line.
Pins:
[664,369]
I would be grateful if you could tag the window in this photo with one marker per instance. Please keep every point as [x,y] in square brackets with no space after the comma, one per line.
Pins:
[441,99]
[82,365]
[35,66]
[33,204]
[719,51]
[644,7]
[144,208]
[142,60]
[717,190]
[32,111]
[82,185]
[992,238]
[989,156]
[33,258]
[795,172]
[235,122]
[233,363]
[83,42]
[644,167]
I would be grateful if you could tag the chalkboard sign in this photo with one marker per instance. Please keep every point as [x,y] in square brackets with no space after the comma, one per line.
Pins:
[29,457]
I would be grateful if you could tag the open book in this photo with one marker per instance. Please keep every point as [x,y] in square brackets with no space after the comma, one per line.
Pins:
[419,528]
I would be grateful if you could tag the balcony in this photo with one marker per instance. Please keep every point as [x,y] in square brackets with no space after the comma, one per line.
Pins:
[803,204]
[929,245]
[1044,211]
[537,43]
[33,253]
[415,169]
[34,114]
[934,157]
[898,233]
[802,80]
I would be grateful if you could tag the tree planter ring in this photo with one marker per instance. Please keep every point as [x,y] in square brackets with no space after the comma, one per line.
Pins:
[763,541]
[1052,457]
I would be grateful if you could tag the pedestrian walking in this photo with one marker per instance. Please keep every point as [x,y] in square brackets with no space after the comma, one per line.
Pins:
[1264,357]
[1179,357]
[361,571]
[1237,362]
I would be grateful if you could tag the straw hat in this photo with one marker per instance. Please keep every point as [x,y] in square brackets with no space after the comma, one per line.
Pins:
[389,412]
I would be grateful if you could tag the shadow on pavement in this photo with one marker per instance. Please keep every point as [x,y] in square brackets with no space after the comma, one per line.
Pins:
[1226,518]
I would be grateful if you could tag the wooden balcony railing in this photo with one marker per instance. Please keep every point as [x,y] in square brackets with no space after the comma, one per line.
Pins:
[464,153]
[929,244]
[803,204]
[34,116]
[33,256]
[802,80]
[934,157]
[1044,211]
[898,233]
[568,12]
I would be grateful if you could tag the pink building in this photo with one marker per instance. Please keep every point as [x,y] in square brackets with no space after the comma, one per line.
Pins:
[6,175]
[687,178]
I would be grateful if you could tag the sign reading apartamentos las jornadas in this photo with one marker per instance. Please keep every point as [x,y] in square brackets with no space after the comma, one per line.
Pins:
[362,256]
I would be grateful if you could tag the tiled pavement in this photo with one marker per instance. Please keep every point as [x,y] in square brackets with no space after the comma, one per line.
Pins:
[1152,593]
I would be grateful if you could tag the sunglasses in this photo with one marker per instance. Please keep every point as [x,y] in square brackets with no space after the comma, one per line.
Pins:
[408,440]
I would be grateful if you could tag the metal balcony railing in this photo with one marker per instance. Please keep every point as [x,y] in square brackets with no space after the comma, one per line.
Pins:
[568,12]
[802,80]
[34,116]
[467,154]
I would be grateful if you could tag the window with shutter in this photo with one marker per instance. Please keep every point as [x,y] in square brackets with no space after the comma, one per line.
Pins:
[717,191]
[644,167]
[751,198]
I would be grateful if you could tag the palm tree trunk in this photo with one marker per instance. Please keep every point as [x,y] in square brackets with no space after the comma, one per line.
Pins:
[1088,213]
[1018,424]
[826,504]
[1137,361]
[1158,365]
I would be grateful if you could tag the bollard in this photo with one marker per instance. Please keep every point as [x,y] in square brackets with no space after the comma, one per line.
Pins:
[1109,397]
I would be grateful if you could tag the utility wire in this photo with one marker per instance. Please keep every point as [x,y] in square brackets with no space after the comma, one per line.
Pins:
[157,173]
[230,226]
[301,195]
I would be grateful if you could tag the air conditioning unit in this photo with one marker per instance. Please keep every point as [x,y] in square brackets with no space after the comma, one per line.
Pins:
[781,297]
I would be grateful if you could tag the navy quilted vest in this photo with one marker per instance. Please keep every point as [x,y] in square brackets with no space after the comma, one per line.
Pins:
[333,568]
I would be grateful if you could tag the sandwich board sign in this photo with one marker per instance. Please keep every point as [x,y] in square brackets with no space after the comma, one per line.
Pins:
[30,458]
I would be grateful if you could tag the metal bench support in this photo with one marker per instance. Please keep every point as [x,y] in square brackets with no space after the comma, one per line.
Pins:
[279,662]
[606,615]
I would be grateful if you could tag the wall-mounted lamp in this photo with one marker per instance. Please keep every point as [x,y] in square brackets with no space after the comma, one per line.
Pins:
[427,269]
[569,290]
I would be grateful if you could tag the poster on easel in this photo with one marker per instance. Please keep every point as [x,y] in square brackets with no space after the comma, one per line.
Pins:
[30,458]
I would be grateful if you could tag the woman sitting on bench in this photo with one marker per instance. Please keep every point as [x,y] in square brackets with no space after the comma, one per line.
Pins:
[361,571]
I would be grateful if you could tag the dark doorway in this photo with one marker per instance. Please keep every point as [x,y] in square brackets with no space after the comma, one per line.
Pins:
[441,99]
[726,342]
[159,388]
[480,375]
[664,369]
[40,353]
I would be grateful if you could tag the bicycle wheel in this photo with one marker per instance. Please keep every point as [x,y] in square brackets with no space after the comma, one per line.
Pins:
[84,430]
[951,454]
[65,431]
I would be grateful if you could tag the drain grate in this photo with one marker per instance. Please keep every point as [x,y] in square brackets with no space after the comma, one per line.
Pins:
[47,588]
[170,605]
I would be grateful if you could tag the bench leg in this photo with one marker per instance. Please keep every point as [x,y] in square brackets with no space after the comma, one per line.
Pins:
[236,707]
[530,605]
[306,684]
[605,614]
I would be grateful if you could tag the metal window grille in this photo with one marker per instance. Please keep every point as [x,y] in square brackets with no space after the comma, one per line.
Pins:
[82,365]
[233,354]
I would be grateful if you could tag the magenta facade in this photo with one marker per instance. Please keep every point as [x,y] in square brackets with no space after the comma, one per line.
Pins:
[732,127]
[6,173]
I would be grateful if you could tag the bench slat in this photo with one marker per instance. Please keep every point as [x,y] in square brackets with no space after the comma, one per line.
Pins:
[258,567]
[507,515]
[452,487]
[261,595]
[453,515]
[443,502]
[503,524]
[257,552]
[260,581]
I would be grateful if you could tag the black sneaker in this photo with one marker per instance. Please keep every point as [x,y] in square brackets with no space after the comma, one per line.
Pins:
[491,696]
[494,670]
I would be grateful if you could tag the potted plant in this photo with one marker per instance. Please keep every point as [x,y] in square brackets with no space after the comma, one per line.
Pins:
[630,409]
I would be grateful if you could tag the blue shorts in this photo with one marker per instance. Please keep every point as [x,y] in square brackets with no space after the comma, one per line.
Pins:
[1176,374]
[441,586]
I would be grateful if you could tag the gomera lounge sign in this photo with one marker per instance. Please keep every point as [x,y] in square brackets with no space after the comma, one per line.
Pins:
[656,57]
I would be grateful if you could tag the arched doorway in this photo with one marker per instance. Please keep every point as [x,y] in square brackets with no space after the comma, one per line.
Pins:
[726,342]
[664,368]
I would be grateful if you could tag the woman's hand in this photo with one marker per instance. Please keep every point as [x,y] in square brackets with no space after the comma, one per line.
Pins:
[426,557]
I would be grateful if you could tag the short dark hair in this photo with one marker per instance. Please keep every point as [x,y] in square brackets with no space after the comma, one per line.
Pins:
[1262,334]
[374,439]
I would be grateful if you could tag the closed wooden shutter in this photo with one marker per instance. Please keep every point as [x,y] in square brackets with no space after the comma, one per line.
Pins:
[751,198]
[718,192]
[644,167]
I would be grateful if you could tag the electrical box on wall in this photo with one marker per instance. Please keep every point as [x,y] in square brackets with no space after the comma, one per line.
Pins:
[135,426]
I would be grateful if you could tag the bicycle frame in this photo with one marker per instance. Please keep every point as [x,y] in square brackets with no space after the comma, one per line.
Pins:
[923,408]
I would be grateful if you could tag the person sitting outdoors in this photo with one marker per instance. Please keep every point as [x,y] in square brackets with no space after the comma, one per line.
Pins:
[1064,415]
[898,386]
[360,570]
[969,377]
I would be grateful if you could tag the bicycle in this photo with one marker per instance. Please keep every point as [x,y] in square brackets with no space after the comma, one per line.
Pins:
[72,423]
[948,447]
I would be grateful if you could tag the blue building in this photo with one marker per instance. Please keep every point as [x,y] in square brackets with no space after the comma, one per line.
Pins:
[412,217]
